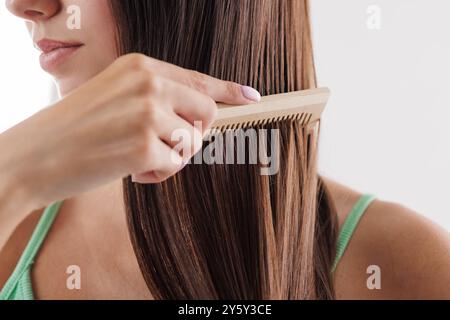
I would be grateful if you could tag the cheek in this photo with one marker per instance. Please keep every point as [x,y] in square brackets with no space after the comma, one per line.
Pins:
[98,34]
[99,28]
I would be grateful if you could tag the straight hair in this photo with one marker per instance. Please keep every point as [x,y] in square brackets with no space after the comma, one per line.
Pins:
[226,231]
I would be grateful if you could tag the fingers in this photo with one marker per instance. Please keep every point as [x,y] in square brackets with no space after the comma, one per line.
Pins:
[185,97]
[168,163]
[180,135]
[176,141]
[191,105]
[219,90]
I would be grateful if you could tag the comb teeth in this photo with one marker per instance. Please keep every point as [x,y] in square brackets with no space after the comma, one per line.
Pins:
[304,106]
[302,118]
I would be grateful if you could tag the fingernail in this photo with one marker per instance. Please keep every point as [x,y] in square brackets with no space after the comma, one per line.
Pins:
[251,93]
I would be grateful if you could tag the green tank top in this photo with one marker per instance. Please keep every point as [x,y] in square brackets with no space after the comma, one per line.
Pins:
[19,285]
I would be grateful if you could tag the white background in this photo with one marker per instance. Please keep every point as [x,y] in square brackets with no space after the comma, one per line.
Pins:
[24,87]
[386,129]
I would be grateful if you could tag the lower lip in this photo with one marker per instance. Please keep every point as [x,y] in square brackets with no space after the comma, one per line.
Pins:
[49,61]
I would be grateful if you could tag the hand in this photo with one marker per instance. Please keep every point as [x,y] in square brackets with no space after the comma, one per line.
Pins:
[118,123]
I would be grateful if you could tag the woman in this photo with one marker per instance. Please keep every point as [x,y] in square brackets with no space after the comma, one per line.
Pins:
[194,231]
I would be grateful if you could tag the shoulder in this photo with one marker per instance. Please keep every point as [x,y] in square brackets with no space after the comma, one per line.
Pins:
[407,253]
[413,252]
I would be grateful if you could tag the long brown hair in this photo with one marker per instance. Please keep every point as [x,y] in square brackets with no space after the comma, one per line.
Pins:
[226,231]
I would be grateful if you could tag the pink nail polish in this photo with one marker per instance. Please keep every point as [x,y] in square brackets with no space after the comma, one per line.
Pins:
[251,93]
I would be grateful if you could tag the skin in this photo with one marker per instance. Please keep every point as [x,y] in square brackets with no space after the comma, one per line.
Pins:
[412,252]
[94,16]
[145,99]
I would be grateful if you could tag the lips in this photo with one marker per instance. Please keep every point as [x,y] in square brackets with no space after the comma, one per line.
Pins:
[55,52]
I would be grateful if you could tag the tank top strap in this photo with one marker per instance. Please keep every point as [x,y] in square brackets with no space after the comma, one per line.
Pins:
[349,226]
[32,249]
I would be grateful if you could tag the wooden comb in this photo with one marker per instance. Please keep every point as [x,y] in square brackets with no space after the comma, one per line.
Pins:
[305,106]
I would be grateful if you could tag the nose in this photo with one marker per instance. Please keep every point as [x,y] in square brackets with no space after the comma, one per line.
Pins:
[34,10]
